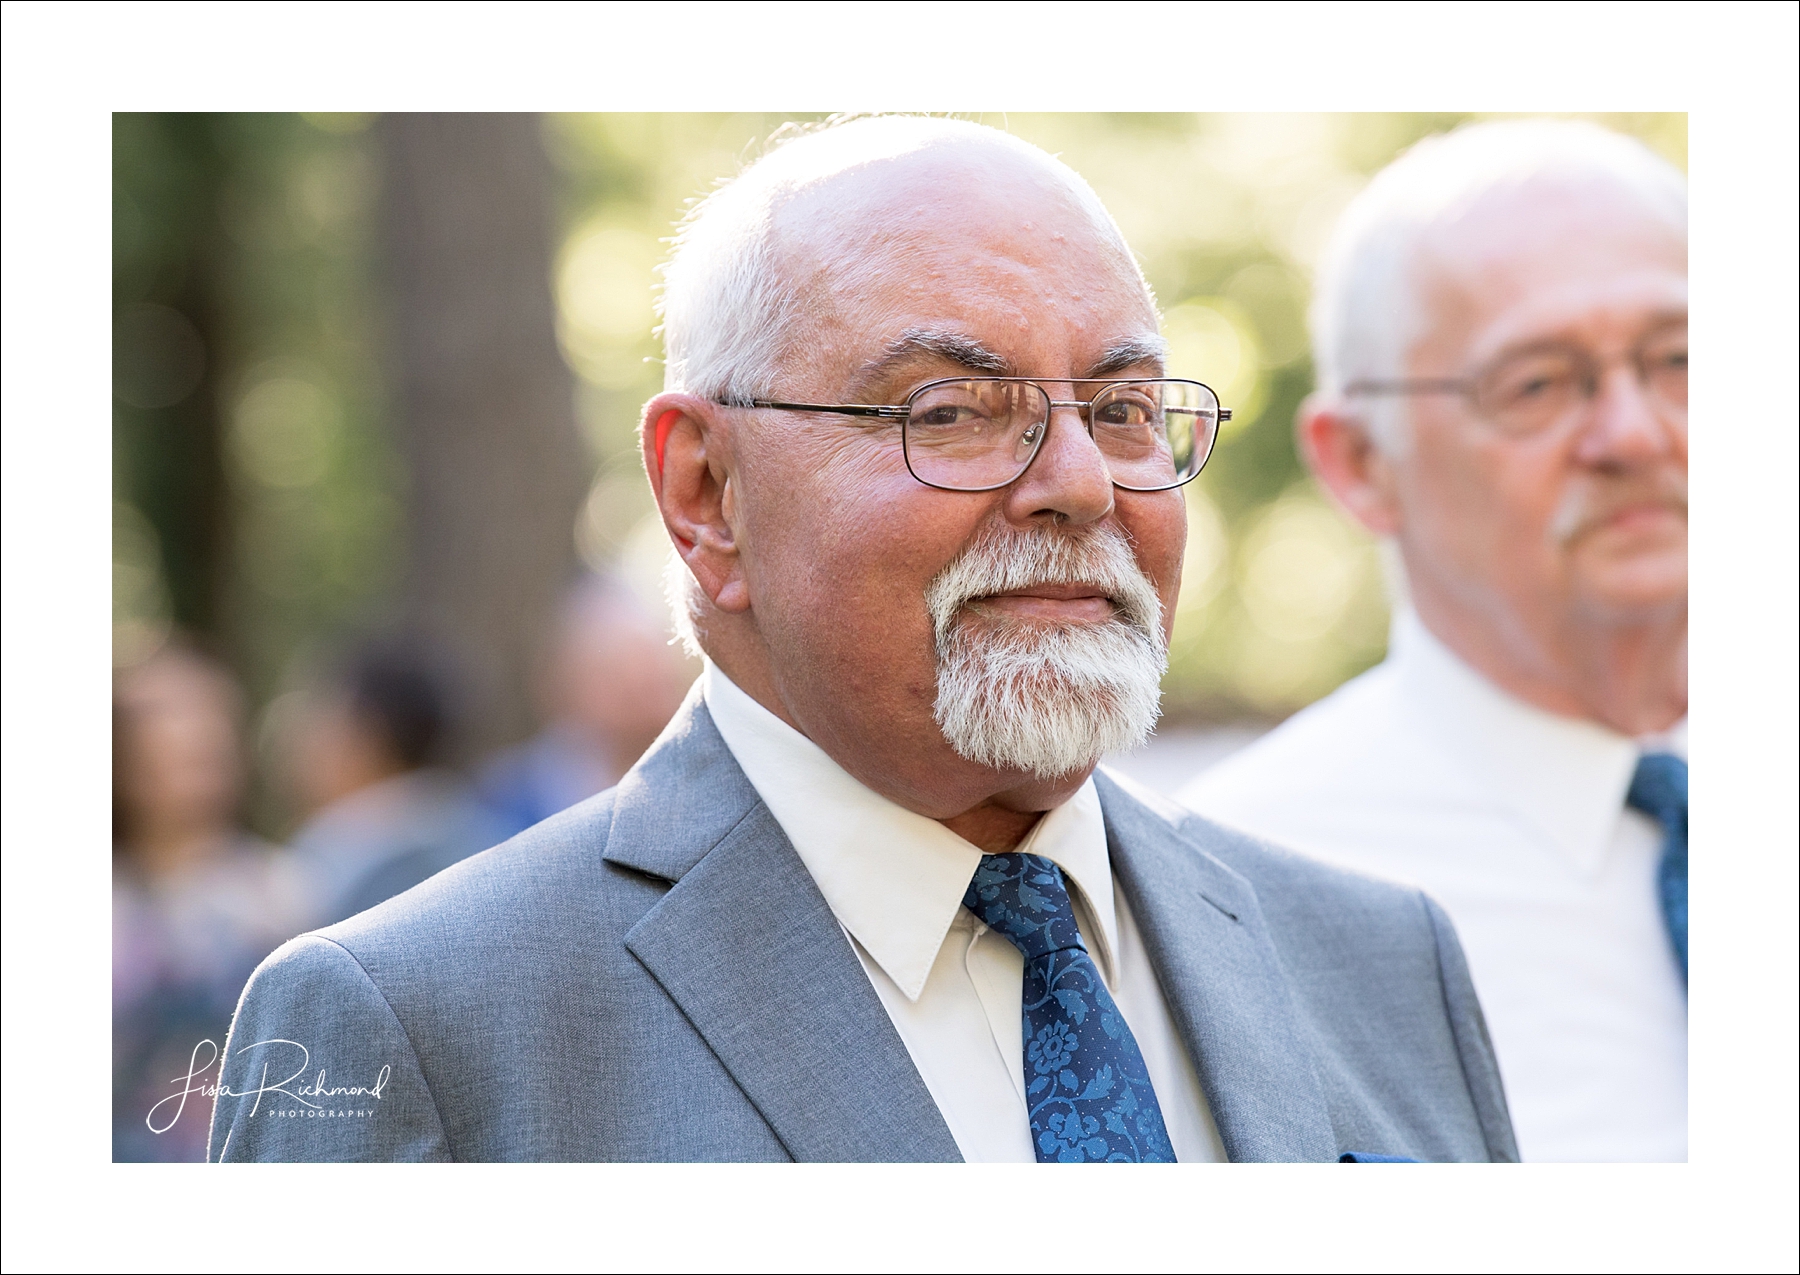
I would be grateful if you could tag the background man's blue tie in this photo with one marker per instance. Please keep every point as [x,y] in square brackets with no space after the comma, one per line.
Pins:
[1659,789]
[1086,1089]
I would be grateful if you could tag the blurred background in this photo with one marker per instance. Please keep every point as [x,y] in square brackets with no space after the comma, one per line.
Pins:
[386,576]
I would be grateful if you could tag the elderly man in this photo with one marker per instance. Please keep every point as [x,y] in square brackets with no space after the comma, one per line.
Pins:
[1501,336]
[865,900]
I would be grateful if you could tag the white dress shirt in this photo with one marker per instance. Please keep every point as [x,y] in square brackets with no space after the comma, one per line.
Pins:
[1515,820]
[895,881]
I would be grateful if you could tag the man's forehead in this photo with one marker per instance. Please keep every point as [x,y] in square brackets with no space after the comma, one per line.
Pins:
[1546,230]
[1548,254]
[965,254]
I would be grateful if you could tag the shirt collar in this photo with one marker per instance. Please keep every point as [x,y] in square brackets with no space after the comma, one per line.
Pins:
[1565,777]
[895,879]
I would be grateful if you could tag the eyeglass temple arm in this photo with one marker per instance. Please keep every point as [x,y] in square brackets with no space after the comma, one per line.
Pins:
[901,413]
[1430,385]
[839,409]
[1223,414]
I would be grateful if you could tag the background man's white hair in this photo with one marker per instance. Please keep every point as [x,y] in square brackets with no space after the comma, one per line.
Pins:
[728,313]
[1366,314]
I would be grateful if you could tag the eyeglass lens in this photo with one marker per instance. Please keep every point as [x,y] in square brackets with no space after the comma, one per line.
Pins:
[978,434]
[1535,389]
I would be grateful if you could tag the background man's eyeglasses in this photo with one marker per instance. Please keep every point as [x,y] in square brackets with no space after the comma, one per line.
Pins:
[981,433]
[1542,386]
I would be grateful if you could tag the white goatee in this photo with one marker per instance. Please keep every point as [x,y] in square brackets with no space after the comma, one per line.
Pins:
[1044,698]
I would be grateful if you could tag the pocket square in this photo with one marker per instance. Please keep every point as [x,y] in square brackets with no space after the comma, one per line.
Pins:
[1369,1157]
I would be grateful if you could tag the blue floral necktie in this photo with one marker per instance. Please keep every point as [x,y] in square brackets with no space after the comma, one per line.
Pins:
[1086,1088]
[1659,789]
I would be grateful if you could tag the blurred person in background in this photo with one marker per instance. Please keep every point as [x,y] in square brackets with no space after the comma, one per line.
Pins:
[197,901]
[363,757]
[1501,335]
[611,682]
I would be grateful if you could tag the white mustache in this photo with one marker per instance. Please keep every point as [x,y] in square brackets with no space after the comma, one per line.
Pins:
[1000,561]
[1584,507]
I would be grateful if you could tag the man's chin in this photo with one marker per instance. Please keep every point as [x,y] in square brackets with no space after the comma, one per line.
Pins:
[1645,586]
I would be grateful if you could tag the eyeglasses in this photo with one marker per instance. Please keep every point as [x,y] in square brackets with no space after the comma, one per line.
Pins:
[1537,388]
[981,433]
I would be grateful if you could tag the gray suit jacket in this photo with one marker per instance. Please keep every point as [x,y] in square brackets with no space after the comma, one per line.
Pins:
[653,975]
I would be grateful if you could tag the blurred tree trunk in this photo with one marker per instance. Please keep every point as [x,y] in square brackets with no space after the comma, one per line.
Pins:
[485,403]
[168,339]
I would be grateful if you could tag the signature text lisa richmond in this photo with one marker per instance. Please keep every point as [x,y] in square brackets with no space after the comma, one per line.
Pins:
[268,1063]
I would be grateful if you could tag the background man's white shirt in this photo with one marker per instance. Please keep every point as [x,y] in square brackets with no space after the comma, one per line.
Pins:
[895,881]
[1515,820]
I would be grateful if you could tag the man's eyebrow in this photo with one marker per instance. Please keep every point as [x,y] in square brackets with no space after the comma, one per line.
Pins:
[959,348]
[941,343]
[1660,321]
[1133,351]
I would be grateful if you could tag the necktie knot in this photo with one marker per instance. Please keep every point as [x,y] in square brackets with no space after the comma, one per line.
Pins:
[1023,898]
[1659,789]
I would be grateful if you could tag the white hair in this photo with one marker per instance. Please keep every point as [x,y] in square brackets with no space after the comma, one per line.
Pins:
[1047,699]
[1366,312]
[729,316]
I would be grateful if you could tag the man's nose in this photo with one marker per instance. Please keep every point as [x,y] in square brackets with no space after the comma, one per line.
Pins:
[1068,482]
[1626,424]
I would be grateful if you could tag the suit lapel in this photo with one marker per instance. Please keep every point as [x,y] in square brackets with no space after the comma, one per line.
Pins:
[1224,984]
[746,945]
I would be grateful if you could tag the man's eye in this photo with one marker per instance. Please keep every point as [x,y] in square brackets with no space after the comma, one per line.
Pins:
[1532,385]
[1128,414]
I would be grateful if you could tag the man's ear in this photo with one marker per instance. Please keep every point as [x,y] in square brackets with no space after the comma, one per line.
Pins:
[1336,445]
[686,443]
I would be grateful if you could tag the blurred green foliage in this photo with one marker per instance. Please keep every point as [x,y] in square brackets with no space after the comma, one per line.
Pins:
[261,503]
